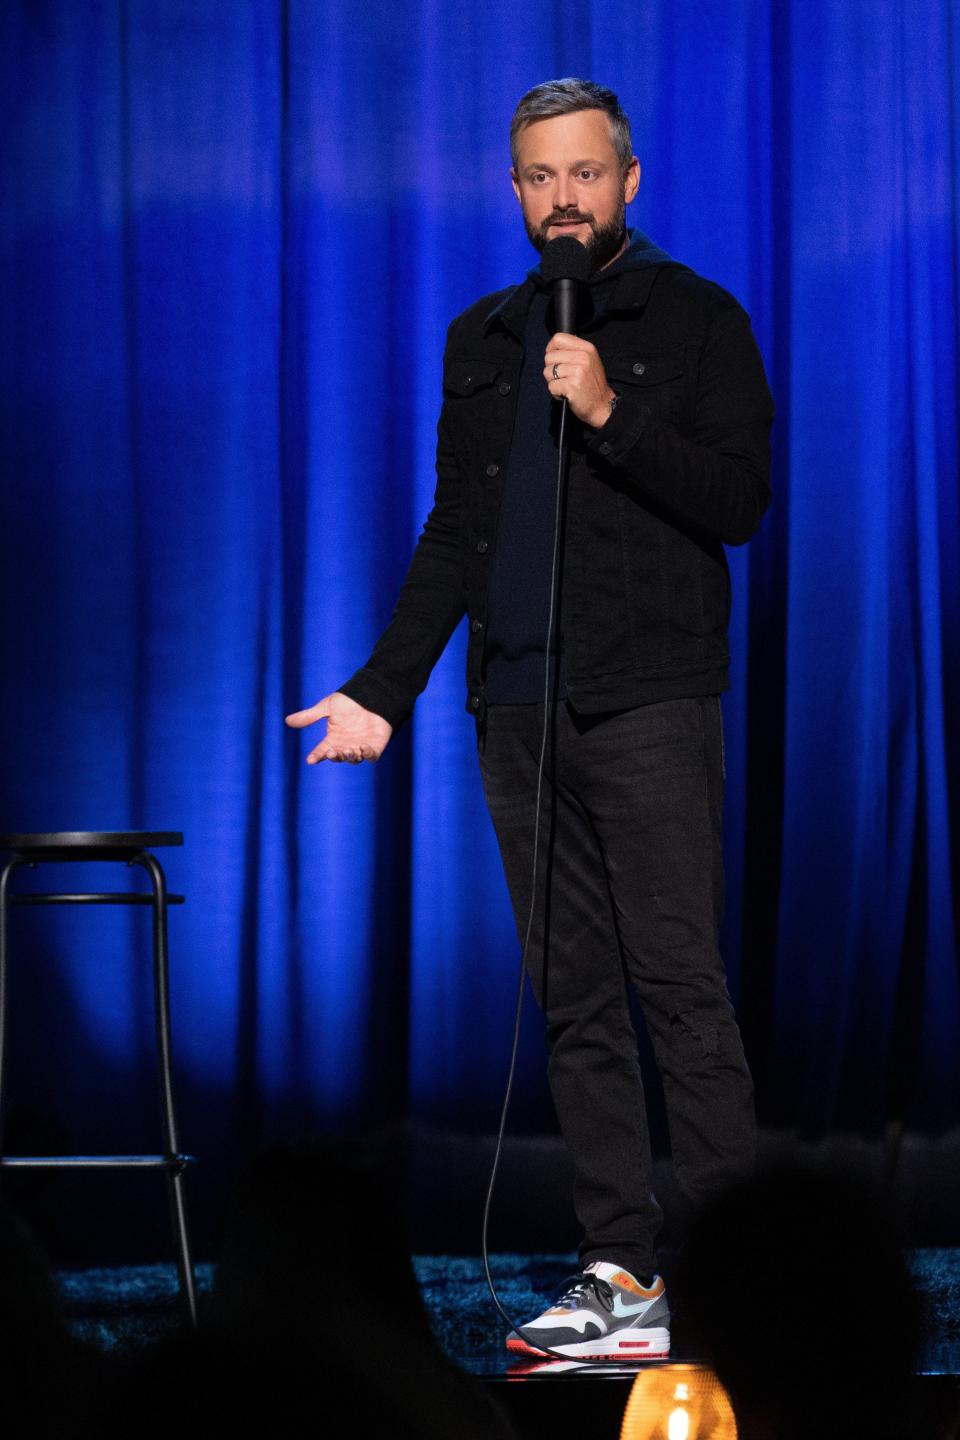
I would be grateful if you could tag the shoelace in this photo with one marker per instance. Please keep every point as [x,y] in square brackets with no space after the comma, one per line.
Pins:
[573,1290]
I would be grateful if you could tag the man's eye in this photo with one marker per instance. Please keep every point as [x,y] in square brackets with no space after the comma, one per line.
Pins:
[538,178]
[586,174]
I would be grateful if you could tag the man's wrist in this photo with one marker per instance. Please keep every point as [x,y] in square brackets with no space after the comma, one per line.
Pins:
[605,409]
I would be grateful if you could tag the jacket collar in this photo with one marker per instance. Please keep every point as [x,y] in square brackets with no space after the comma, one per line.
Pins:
[511,312]
[641,261]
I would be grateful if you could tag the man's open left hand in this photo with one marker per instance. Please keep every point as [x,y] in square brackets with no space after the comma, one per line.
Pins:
[572,368]
[353,733]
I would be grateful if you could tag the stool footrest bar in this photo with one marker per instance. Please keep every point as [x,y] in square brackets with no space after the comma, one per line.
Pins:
[96,1162]
[109,897]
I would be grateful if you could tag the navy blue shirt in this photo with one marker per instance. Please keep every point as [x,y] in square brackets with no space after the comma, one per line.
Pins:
[519,596]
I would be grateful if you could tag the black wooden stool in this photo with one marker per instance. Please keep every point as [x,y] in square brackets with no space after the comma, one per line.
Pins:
[132,848]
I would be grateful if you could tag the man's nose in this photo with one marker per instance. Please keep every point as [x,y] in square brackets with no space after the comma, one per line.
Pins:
[564,198]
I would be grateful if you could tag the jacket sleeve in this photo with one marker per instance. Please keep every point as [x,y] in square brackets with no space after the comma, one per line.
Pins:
[718,478]
[429,606]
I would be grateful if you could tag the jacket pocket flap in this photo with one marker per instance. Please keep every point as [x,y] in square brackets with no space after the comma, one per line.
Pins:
[640,368]
[463,377]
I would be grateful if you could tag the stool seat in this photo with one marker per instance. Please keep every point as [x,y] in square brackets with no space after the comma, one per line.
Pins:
[132,848]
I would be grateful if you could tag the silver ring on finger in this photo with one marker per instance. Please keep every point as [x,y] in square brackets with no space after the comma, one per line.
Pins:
[556,372]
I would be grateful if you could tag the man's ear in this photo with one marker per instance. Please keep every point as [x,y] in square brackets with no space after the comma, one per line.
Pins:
[631,180]
[515,182]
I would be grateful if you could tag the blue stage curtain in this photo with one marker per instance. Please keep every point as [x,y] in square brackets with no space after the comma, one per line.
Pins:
[232,238]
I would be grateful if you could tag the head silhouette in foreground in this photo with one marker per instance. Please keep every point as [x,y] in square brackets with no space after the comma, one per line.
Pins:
[798,1293]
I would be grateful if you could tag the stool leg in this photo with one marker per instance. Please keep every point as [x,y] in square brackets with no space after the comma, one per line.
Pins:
[175,1176]
[12,864]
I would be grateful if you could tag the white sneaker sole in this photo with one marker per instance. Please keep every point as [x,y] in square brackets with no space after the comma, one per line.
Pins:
[639,1344]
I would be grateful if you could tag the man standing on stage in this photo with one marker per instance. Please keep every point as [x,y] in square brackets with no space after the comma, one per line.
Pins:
[669,434]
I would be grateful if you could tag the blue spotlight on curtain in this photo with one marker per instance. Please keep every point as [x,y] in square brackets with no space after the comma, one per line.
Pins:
[232,237]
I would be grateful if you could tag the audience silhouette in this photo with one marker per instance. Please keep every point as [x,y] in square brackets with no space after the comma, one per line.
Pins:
[794,1286]
[315,1307]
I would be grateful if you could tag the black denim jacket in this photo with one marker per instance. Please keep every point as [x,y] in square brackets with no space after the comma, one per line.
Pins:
[680,469]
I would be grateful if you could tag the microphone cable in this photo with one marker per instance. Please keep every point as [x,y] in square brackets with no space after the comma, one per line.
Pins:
[535,1344]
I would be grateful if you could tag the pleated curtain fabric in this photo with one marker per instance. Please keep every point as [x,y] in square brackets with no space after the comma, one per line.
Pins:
[232,239]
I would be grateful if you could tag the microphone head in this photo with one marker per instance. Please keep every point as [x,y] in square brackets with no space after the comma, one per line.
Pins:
[565,259]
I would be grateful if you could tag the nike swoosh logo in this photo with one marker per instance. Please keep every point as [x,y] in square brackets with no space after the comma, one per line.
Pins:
[620,1309]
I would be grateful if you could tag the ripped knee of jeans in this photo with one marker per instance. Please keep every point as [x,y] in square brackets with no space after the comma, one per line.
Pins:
[697,1037]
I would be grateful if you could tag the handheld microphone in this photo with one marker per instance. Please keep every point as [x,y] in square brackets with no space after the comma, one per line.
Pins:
[565,266]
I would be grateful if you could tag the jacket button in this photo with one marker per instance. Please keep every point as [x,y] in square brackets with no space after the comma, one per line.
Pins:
[468,379]
[481,547]
[605,448]
[474,702]
[476,626]
[639,368]
[492,470]
[504,387]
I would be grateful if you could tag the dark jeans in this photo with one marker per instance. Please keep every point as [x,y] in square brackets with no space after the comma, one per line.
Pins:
[629,890]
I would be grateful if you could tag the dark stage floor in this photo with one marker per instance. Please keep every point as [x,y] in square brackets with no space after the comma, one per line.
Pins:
[126,1307]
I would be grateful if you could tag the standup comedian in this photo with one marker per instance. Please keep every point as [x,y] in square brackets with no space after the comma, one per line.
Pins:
[669,439]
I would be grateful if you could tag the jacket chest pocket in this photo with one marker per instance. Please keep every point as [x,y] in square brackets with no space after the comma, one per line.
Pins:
[478,404]
[468,388]
[655,378]
[479,400]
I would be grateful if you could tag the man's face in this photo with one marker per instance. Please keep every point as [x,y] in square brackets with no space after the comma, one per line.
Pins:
[569,182]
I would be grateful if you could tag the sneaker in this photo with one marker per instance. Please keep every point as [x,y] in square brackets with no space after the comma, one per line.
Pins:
[602,1314]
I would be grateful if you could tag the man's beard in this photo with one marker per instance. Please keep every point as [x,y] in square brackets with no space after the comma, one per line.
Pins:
[605,240]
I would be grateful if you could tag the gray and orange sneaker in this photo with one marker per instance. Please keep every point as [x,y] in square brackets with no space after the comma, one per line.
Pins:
[602,1313]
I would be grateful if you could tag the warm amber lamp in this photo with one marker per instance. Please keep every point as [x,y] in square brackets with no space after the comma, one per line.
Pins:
[678,1402]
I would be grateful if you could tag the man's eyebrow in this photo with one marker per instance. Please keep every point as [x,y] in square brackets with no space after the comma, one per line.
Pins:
[577,164]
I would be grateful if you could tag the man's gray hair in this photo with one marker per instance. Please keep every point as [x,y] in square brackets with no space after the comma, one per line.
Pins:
[563,97]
